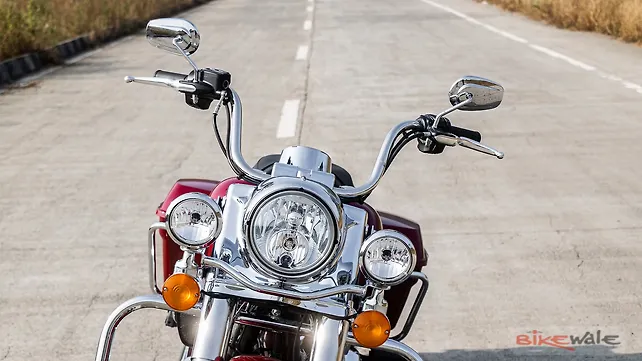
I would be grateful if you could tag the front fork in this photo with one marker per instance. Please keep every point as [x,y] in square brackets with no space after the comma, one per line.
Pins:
[329,340]
[217,319]
[215,326]
[214,329]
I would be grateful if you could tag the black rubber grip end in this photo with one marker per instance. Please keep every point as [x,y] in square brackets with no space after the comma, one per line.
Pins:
[169,75]
[466,133]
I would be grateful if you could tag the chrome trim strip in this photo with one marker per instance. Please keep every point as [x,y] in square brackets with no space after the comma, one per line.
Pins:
[415,307]
[326,307]
[242,279]
[273,325]
[391,346]
[151,237]
[134,304]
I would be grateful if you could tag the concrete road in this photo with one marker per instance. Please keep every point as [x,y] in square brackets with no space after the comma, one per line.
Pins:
[546,239]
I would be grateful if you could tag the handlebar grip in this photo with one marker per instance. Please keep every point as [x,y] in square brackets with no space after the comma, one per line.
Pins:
[169,75]
[466,133]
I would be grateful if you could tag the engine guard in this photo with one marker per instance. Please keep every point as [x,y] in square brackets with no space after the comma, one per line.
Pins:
[156,302]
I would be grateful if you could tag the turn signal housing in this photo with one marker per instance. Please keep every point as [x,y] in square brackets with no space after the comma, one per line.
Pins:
[371,328]
[181,291]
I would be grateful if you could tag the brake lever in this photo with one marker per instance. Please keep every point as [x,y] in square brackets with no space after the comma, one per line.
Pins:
[175,84]
[475,145]
[452,140]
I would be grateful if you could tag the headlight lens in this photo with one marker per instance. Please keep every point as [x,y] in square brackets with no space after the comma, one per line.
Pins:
[292,233]
[388,257]
[194,220]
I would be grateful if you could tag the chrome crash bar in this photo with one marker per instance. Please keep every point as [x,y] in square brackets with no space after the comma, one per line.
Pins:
[151,239]
[134,304]
[243,169]
[415,307]
[304,296]
[156,302]
[392,346]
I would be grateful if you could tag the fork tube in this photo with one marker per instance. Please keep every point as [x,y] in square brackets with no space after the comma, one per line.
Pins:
[214,329]
[329,340]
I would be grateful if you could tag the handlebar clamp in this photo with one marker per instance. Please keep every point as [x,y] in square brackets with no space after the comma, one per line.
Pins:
[210,85]
[426,143]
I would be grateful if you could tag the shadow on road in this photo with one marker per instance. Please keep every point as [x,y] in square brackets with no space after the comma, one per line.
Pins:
[583,353]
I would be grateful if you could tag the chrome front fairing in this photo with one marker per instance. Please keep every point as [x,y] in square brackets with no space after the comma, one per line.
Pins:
[229,247]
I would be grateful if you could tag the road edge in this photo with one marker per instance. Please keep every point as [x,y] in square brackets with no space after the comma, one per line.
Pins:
[17,68]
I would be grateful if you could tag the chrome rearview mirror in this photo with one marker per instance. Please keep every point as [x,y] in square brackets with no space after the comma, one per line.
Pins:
[177,36]
[478,93]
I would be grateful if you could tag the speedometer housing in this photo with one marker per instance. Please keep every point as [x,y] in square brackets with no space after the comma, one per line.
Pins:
[285,233]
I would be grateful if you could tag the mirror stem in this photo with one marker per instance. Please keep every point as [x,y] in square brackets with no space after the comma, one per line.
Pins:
[175,42]
[450,110]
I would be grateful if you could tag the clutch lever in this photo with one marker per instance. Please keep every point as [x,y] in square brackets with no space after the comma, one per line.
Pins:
[452,140]
[175,84]
[474,145]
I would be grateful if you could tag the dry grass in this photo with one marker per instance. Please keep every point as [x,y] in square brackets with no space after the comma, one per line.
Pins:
[31,25]
[619,18]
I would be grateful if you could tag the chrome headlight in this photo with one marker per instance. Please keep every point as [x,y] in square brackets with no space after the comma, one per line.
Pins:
[291,231]
[194,220]
[388,257]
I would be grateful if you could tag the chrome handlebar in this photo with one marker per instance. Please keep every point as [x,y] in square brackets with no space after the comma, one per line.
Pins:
[243,169]
[255,175]
[236,159]
[380,164]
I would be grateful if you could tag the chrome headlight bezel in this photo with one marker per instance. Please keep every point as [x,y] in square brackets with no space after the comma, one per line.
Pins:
[275,187]
[377,237]
[211,203]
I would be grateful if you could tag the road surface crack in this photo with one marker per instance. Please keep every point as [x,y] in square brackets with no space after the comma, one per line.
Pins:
[306,81]
[6,354]
[579,265]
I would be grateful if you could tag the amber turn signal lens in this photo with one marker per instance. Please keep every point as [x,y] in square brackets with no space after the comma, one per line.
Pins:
[371,328]
[181,291]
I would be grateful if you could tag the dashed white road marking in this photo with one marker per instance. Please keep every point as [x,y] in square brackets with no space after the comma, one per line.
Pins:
[567,59]
[309,8]
[307,25]
[289,117]
[302,52]
[541,49]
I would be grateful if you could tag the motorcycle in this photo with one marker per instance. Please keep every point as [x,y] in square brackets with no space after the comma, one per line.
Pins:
[286,261]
